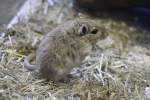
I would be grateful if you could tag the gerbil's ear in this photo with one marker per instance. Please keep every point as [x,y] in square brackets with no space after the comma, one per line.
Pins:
[94,30]
[83,30]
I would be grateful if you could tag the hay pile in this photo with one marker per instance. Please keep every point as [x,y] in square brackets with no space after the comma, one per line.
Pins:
[119,69]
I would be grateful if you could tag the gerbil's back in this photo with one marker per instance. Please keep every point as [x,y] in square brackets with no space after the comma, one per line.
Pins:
[59,56]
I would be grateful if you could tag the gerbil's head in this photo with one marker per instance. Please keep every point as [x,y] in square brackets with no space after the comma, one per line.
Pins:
[86,27]
[88,30]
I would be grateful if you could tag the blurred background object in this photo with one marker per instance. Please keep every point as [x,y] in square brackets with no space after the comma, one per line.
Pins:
[11,11]
[8,9]
[100,5]
[139,9]
[28,8]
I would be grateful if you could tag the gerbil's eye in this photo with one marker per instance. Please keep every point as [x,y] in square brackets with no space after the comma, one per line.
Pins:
[94,30]
[83,30]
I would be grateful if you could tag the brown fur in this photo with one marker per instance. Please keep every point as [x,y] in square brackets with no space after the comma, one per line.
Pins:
[64,48]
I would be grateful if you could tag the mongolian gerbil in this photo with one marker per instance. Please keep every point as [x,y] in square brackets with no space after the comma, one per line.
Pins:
[64,48]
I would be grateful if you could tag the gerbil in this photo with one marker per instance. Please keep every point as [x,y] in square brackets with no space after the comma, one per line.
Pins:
[64,48]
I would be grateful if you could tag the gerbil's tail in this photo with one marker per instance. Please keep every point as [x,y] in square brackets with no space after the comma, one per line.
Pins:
[29,66]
